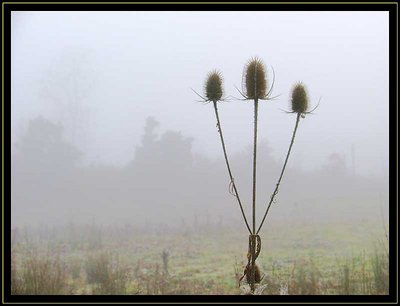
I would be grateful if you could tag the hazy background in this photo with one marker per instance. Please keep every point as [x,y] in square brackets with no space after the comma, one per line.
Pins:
[106,128]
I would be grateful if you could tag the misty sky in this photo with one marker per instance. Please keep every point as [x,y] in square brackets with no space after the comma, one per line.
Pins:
[101,74]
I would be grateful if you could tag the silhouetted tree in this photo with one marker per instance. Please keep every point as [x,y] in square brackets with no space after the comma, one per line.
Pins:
[160,174]
[68,85]
[43,173]
[171,152]
[149,137]
[43,151]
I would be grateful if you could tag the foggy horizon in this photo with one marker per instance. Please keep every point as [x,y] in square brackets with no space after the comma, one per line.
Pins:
[84,85]
[101,74]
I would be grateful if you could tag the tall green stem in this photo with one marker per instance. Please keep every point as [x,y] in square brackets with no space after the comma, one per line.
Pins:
[283,170]
[228,166]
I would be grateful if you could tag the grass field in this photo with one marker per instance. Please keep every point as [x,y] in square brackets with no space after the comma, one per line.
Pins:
[302,258]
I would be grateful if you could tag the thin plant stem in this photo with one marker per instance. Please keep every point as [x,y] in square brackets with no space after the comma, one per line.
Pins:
[283,170]
[255,163]
[228,166]
[253,249]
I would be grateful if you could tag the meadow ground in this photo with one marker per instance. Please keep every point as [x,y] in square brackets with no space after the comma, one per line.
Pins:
[296,258]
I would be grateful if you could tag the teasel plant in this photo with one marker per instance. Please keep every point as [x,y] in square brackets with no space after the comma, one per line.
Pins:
[255,88]
[213,93]
[299,105]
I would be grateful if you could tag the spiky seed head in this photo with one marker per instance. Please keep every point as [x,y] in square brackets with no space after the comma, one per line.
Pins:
[255,79]
[213,86]
[299,98]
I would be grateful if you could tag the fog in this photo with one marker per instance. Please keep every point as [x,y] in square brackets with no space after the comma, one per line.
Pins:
[106,128]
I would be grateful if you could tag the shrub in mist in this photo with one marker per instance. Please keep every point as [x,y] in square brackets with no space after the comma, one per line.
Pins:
[106,274]
[39,274]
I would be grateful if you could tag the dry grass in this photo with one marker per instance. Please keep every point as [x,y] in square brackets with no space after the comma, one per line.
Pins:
[39,274]
[191,266]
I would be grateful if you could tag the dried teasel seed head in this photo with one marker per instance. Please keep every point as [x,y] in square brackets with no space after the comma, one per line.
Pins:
[255,79]
[299,98]
[213,87]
